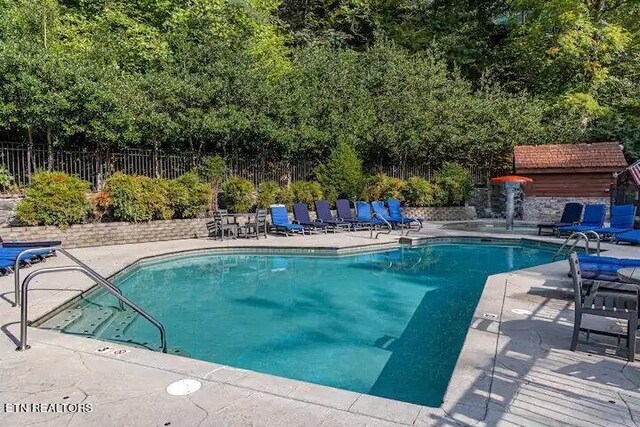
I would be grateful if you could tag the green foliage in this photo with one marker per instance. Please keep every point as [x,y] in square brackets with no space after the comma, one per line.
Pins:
[137,198]
[286,197]
[341,176]
[419,192]
[400,82]
[267,193]
[453,185]
[54,198]
[189,196]
[212,170]
[156,196]
[129,201]
[382,187]
[306,192]
[238,194]
[5,178]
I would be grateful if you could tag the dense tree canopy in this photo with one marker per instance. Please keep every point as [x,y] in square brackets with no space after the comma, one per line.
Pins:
[399,81]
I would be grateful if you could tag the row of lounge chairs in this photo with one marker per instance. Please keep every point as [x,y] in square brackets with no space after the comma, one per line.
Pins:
[10,251]
[368,216]
[579,218]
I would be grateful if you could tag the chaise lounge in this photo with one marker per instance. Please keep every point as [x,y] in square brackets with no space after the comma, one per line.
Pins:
[301,216]
[593,218]
[571,215]
[622,219]
[280,221]
[323,213]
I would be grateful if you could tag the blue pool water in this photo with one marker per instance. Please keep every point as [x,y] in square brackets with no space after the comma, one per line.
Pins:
[389,324]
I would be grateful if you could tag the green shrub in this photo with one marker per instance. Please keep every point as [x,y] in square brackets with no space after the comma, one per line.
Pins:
[267,193]
[306,192]
[128,198]
[453,185]
[5,178]
[286,197]
[189,197]
[418,192]
[341,176]
[155,193]
[381,187]
[54,198]
[238,194]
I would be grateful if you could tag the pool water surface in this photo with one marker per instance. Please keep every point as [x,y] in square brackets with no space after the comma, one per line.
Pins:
[389,324]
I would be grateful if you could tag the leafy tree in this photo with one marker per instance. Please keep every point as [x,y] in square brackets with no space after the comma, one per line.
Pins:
[341,176]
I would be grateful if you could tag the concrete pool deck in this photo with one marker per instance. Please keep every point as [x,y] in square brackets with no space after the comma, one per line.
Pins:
[515,367]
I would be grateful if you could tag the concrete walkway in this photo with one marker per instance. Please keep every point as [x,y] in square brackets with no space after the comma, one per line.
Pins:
[515,367]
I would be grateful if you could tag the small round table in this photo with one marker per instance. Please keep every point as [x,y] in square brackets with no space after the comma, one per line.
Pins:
[630,275]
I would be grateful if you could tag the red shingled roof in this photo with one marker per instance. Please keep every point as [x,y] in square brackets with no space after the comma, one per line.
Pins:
[599,155]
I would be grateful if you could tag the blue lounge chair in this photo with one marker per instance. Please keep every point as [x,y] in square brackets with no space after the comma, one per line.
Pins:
[365,216]
[628,237]
[380,210]
[593,218]
[280,221]
[622,220]
[323,213]
[396,215]
[604,268]
[344,214]
[301,215]
[571,215]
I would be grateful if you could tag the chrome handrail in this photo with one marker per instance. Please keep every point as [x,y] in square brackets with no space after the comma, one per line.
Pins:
[101,281]
[390,227]
[597,238]
[578,236]
[16,269]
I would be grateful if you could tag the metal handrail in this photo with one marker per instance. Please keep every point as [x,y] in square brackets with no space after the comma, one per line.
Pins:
[578,236]
[390,227]
[597,238]
[16,269]
[101,281]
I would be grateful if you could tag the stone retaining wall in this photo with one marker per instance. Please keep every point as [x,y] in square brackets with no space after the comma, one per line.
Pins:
[550,208]
[110,233]
[455,213]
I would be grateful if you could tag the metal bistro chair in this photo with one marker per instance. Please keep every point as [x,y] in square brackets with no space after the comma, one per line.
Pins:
[605,299]
[258,226]
[221,227]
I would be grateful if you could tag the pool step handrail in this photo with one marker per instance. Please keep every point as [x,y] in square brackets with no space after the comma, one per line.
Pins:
[388,224]
[22,255]
[577,237]
[21,292]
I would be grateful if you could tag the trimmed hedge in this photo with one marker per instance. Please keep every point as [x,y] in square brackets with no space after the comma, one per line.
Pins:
[54,198]
[239,194]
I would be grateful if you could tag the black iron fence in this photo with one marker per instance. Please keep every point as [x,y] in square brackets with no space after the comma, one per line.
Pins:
[93,166]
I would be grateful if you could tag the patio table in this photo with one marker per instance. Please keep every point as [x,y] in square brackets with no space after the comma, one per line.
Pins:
[239,219]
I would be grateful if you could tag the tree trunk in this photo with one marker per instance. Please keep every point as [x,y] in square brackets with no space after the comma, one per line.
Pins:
[49,150]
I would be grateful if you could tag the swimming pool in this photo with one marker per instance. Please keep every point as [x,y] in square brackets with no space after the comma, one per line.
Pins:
[390,323]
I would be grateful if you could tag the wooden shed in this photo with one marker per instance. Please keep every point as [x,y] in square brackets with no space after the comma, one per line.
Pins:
[569,170]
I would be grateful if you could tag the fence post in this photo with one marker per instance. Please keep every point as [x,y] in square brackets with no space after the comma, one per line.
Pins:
[156,162]
[99,179]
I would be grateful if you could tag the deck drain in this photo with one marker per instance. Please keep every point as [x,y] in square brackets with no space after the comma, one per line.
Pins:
[183,387]
[490,316]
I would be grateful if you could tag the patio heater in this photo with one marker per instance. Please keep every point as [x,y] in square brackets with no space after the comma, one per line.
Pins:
[511,183]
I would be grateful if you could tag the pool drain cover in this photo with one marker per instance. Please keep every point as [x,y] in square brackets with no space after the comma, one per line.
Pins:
[183,387]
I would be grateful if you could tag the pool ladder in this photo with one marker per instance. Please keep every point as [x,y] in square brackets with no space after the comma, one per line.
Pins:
[21,292]
[577,237]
